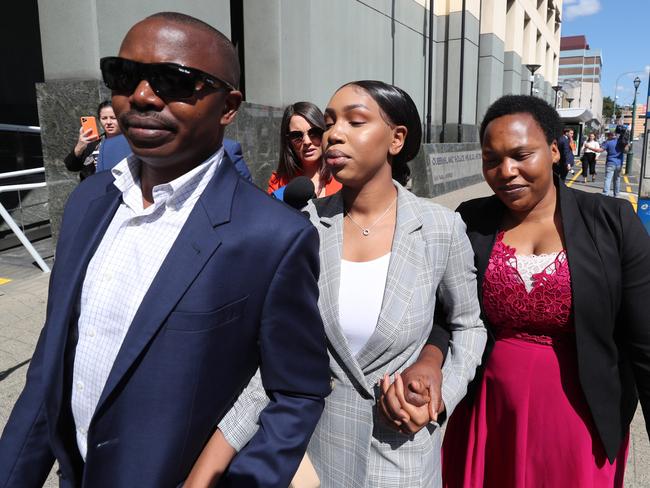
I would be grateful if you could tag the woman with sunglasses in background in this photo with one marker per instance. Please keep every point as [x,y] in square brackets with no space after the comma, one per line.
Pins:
[387,258]
[301,152]
[84,157]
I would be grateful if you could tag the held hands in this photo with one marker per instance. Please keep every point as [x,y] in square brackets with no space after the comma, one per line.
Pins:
[414,399]
[398,413]
[84,140]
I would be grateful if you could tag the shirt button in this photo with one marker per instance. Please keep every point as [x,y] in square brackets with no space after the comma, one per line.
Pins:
[83,431]
[80,386]
[91,333]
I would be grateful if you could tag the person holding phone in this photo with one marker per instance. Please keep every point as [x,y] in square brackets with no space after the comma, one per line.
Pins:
[85,155]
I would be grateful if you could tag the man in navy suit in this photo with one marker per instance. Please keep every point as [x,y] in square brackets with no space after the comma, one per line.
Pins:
[175,279]
[566,155]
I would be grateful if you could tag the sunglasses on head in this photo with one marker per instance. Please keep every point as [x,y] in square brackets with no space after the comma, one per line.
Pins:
[315,134]
[169,80]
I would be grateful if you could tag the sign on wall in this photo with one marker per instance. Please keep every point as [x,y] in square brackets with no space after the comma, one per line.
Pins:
[450,166]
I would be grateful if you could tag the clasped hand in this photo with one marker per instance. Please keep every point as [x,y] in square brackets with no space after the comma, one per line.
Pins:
[413,399]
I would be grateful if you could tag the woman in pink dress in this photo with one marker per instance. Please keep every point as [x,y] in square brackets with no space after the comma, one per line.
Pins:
[564,280]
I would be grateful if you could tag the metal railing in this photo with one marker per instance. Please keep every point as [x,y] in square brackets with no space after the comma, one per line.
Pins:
[10,221]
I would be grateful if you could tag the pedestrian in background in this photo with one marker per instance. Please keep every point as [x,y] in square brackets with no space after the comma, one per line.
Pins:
[613,164]
[84,157]
[565,162]
[590,149]
[573,146]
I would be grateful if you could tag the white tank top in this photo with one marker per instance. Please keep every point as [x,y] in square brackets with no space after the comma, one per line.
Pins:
[361,293]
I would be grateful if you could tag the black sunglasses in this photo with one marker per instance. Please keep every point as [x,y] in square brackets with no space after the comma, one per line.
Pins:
[169,80]
[315,134]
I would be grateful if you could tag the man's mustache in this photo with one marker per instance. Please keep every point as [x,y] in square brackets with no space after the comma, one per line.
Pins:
[148,119]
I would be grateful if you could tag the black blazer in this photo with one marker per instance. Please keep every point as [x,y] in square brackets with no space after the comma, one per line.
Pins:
[608,251]
[76,163]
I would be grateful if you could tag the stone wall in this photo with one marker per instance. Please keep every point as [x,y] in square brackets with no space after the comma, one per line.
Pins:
[60,105]
[257,129]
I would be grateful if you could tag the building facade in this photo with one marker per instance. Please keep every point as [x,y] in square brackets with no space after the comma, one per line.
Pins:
[454,60]
[580,74]
[305,49]
[639,123]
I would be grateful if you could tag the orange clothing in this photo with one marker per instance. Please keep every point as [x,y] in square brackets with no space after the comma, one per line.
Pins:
[276,182]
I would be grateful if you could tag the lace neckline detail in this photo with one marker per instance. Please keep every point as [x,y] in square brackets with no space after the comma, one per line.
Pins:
[538,312]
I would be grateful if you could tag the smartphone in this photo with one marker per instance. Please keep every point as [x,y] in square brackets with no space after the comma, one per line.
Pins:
[90,123]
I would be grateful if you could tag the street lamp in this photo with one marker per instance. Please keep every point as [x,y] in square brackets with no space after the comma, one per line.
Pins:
[616,87]
[630,154]
[556,89]
[570,99]
[532,68]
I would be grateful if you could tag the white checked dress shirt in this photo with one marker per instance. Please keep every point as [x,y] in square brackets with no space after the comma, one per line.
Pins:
[120,272]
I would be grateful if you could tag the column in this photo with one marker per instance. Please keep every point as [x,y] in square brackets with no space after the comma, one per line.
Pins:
[491,54]
[462,77]
[513,50]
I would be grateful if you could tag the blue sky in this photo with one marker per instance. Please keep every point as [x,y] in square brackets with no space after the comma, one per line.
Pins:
[621,30]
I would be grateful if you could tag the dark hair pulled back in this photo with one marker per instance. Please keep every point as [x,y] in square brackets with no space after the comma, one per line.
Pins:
[399,109]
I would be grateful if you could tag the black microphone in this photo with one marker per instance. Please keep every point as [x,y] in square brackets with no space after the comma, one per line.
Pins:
[298,192]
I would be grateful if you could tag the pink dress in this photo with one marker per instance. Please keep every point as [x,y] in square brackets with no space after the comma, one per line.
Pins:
[528,423]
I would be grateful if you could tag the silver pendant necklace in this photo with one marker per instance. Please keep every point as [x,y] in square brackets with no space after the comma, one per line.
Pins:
[366,230]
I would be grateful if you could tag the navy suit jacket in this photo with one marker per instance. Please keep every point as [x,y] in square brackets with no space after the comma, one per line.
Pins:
[234,152]
[227,299]
[112,151]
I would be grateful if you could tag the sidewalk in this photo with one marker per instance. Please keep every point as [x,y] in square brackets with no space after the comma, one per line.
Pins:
[23,301]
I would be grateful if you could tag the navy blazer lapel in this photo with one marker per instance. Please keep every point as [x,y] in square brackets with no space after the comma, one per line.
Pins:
[196,243]
[75,258]
[71,265]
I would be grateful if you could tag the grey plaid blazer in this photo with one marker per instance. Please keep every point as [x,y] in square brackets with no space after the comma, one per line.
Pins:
[431,258]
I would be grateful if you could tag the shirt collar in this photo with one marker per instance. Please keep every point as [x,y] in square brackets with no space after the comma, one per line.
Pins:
[175,193]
